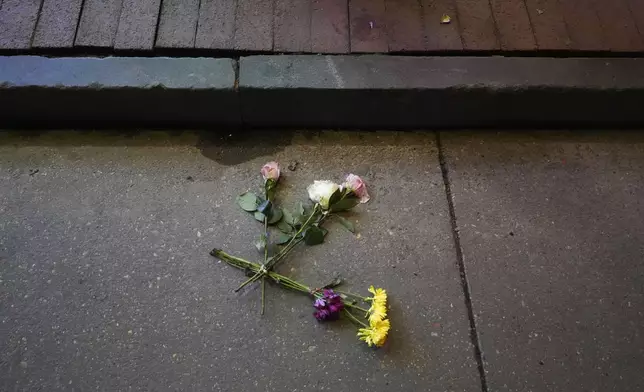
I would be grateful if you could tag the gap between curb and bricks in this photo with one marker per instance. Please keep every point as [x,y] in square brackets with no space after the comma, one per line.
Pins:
[313,91]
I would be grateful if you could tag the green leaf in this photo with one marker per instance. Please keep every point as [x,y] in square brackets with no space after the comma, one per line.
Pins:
[265,207]
[272,247]
[313,236]
[345,204]
[335,197]
[288,217]
[259,216]
[346,223]
[284,226]
[300,215]
[282,238]
[324,231]
[275,216]
[248,201]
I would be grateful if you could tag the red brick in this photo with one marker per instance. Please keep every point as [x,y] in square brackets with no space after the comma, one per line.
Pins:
[57,24]
[619,28]
[178,24]
[404,26]
[477,25]
[441,36]
[98,23]
[584,27]
[513,24]
[368,26]
[254,25]
[17,23]
[292,26]
[216,27]
[329,26]
[548,24]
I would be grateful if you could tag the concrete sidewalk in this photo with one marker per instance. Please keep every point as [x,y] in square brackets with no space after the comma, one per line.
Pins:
[552,240]
[532,239]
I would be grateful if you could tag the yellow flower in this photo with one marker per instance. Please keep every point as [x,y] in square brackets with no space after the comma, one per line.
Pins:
[379,295]
[376,334]
[377,312]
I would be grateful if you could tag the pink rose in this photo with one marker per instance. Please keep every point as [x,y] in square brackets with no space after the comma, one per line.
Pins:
[271,171]
[358,187]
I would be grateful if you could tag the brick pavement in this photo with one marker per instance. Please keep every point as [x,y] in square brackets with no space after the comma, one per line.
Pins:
[322,26]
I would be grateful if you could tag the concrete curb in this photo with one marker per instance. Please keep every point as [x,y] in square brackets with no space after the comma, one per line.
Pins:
[117,91]
[412,92]
[322,91]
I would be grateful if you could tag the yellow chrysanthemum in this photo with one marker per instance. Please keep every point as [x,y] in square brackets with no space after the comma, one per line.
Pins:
[376,334]
[379,295]
[377,311]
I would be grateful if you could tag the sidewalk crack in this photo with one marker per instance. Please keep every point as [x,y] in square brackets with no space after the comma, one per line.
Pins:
[474,336]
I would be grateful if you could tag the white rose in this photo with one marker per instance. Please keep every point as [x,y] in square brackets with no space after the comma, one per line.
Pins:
[321,191]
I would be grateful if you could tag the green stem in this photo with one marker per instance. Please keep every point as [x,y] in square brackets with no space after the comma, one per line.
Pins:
[365,299]
[263,296]
[290,286]
[265,259]
[269,265]
[232,260]
[283,280]
[293,240]
[289,247]
[351,316]
[288,283]
[303,227]
[243,264]
[259,274]
[265,239]
[249,280]
[356,307]
[283,253]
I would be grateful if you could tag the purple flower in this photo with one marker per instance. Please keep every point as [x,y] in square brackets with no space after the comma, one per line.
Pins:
[328,306]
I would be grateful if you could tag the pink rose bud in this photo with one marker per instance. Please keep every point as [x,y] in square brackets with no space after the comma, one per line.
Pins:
[271,171]
[358,187]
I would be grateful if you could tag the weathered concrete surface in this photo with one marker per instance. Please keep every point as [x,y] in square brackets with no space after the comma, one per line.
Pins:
[106,282]
[551,231]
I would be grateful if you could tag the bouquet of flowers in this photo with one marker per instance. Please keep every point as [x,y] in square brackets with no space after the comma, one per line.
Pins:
[306,225]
